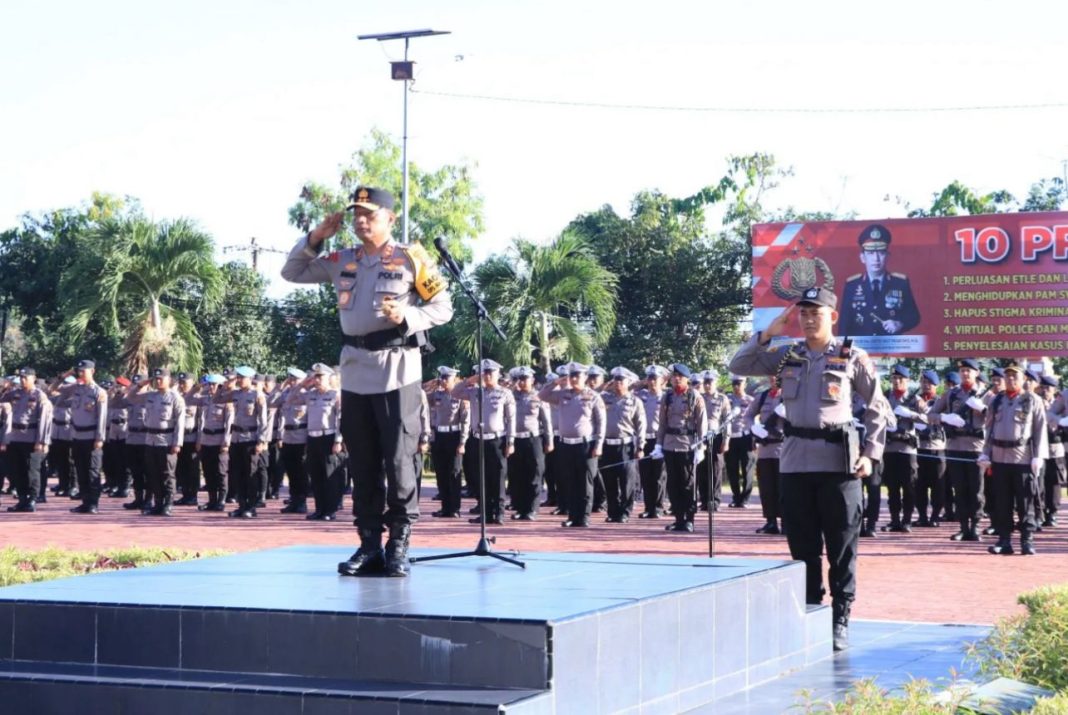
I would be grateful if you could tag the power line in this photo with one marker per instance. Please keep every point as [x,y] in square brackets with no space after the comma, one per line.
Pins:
[745,110]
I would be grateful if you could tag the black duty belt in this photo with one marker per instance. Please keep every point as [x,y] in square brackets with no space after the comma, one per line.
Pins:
[681,431]
[32,425]
[768,440]
[1008,443]
[57,423]
[154,430]
[977,432]
[831,433]
[385,339]
[213,431]
[299,425]
[909,439]
[118,422]
[137,430]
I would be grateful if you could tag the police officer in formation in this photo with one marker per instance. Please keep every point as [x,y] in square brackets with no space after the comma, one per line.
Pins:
[581,417]
[931,458]
[87,409]
[291,430]
[493,433]
[740,448]
[27,437]
[323,412]
[450,426]
[1053,478]
[533,438]
[651,471]
[710,470]
[187,469]
[59,452]
[821,459]
[623,443]
[764,418]
[164,436]
[680,441]
[114,462]
[251,430]
[215,421]
[900,468]
[135,443]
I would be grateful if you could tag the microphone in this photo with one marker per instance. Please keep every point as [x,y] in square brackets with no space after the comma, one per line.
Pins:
[446,257]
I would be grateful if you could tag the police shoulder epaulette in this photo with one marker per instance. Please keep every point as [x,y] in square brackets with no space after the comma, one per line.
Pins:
[902,276]
[428,281]
[846,349]
[854,277]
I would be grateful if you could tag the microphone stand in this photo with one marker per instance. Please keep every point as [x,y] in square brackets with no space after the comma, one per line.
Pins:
[483,547]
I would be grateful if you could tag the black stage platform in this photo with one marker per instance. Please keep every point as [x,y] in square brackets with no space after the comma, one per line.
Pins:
[280,632]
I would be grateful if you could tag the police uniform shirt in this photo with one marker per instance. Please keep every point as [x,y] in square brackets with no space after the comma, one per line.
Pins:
[324,412]
[250,416]
[762,409]
[651,403]
[955,401]
[117,420]
[190,415]
[624,418]
[897,440]
[817,393]
[292,415]
[61,403]
[739,404]
[1056,409]
[683,421]
[498,410]
[164,419]
[87,407]
[215,420]
[448,414]
[864,308]
[582,413]
[532,418]
[718,412]
[30,417]
[362,282]
[931,436]
[135,417]
[1016,429]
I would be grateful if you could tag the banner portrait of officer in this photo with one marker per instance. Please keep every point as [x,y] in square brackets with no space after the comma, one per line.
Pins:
[877,302]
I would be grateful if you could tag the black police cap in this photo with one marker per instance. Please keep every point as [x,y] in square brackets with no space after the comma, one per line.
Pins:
[818,296]
[874,238]
[85,365]
[370,198]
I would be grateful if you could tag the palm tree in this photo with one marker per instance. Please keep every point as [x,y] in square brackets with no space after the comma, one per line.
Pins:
[135,266]
[556,301]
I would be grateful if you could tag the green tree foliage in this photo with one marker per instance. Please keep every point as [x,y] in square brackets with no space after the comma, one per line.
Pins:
[138,263]
[959,200]
[1045,195]
[306,328]
[553,302]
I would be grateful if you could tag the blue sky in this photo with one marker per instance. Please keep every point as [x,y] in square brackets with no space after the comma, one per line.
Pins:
[220,111]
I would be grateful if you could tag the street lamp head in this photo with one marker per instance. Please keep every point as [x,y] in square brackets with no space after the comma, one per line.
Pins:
[402,35]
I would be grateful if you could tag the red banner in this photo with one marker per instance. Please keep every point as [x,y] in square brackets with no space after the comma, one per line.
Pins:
[965,286]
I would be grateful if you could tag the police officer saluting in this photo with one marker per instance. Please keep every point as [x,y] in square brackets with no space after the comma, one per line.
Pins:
[28,435]
[821,461]
[651,471]
[1014,452]
[683,424]
[251,430]
[931,455]
[900,467]
[623,441]
[89,419]
[533,436]
[494,433]
[215,419]
[164,436]
[388,296]
[450,424]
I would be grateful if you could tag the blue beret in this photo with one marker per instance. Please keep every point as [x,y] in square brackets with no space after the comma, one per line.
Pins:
[245,371]
[968,362]
[680,369]
[953,378]
[931,376]
[997,371]
[901,370]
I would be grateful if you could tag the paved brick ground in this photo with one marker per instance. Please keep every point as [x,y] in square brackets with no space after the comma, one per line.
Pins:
[913,577]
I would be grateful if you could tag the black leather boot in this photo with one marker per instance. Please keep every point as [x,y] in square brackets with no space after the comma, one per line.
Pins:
[397,550]
[139,500]
[840,611]
[369,558]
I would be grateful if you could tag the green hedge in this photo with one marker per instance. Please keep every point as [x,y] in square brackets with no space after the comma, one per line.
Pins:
[22,566]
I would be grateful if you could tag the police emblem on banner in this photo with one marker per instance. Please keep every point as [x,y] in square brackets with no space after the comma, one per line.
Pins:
[794,276]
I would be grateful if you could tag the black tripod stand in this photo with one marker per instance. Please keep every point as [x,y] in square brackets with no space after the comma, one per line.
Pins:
[483,546]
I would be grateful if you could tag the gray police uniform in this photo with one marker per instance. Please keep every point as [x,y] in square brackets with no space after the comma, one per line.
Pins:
[491,434]
[187,468]
[710,469]
[215,420]
[250,428]
[381,368]
[164,435]
[526,466]
[1016,429]
[931,467]
[900,468]
[739,451]
[624,437]
[30,426]
[963,446]
[821,496]
[1053,477]
[651,472]
[683,427]
[59,452]
[450,424]
[135,444]
[323,417]
[114,463]
[769,449]
[88,404]
[293,419]
[582,425]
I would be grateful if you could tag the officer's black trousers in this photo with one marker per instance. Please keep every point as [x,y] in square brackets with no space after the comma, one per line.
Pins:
[620,472]
[768,481]
[134,455]
[216,465]
[187,470]
[967,487]
[470,468]
[60,459]
[576,469]
[447,469]
[738,454]
[381,433]
[552,484]
[873,495]
[930,482]
[1013,486]
[260,475]
[243,479]
[293,461]
[1052,482]
[114,464]
[87,461]
[653,479]
[159,472]
[526,467]
[496,474]
[718,466]
[325,477]
[950,498]
[25,466]
[899,475]
[681,485]
[275,469]
[823,508]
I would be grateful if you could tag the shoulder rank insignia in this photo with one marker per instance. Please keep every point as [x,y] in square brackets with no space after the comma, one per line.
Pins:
[428,282]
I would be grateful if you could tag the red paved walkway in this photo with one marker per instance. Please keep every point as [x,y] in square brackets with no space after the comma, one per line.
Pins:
[918,577]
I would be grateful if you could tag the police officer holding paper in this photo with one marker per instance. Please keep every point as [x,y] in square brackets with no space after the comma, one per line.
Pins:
[822,461]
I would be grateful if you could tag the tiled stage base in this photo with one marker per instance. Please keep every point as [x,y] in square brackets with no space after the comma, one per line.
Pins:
[279,632]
